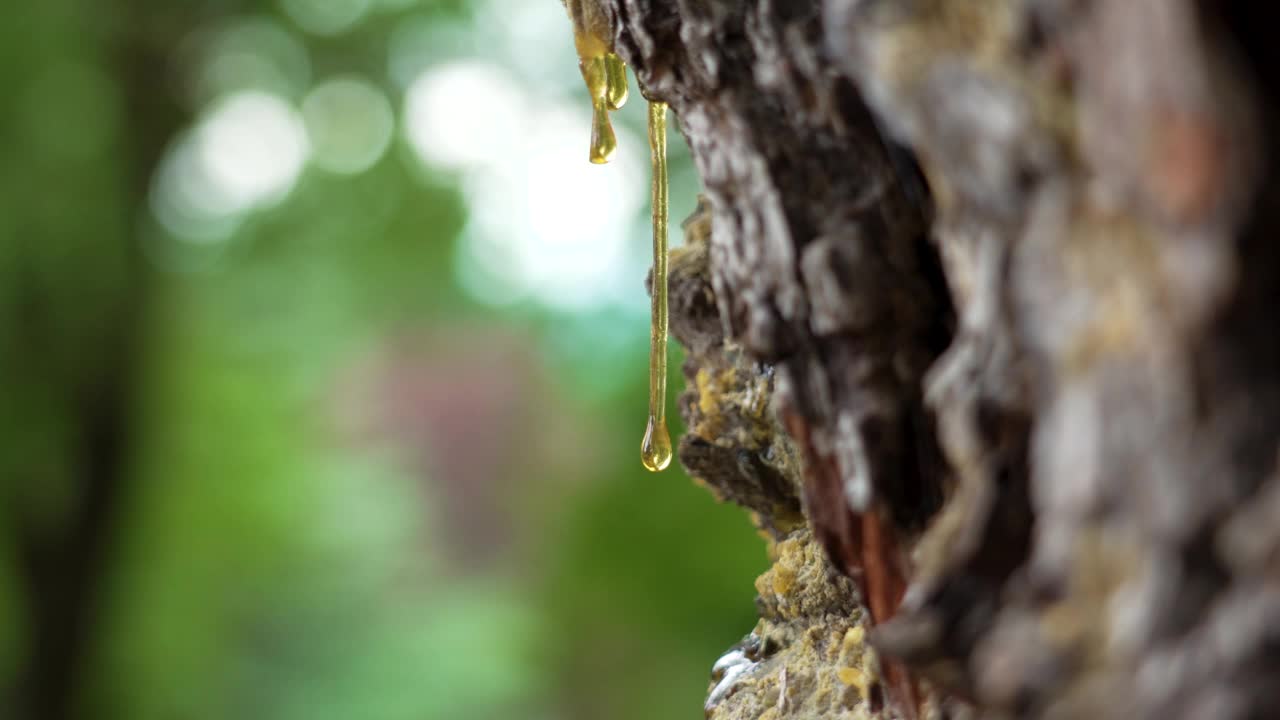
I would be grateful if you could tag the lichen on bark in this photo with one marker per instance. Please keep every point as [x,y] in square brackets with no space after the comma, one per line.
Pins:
[808,656]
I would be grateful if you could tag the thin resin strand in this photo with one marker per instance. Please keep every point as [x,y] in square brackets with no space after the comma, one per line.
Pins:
[655,449]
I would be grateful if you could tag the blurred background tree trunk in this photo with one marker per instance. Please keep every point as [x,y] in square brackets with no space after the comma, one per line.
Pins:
[1009,273]
[89,124]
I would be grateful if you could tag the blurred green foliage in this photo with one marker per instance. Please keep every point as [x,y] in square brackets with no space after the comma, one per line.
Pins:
[292,465]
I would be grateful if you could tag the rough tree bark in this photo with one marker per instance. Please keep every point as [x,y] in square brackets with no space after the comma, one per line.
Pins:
[981,302]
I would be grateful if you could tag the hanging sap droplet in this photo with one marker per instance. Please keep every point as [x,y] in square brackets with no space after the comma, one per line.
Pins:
[603,141]
[655,450]
[603,71]
[616,72]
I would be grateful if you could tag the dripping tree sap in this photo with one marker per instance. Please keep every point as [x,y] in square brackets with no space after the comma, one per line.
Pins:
[655,450]
[602,70]
[616,72]
[603,142]
[606,77]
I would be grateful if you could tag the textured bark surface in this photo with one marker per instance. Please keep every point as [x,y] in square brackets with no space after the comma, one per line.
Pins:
[988,288]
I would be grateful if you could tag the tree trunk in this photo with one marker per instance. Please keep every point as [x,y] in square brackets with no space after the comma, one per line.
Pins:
[74,280]
[986,289]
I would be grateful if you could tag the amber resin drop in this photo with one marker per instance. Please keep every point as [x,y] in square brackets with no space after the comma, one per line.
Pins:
[603,141]
[604,72]
[616,73]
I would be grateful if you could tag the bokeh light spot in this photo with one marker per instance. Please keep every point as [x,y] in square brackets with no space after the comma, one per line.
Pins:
[535,39]
[254,146]
[349,123]
[186,200]
[465,114]
[419,43]
[245,54]
[544,222]
[244,155]
[326,17]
